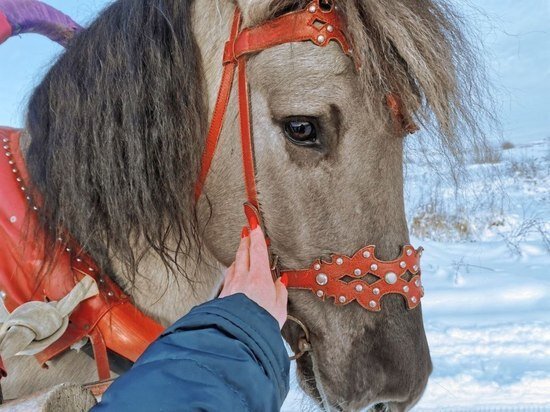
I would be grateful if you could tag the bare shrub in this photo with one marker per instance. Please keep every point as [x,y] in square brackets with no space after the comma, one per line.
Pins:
[507,145]
[524,167]
[489,154]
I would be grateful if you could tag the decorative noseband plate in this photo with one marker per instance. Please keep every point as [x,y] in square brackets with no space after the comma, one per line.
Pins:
[344,278]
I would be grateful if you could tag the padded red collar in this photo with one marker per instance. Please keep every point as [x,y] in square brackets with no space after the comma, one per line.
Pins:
[109,320]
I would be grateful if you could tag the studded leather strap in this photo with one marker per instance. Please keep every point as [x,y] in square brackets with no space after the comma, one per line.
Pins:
[344,278]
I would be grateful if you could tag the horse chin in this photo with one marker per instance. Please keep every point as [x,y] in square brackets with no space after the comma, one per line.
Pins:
[311,384]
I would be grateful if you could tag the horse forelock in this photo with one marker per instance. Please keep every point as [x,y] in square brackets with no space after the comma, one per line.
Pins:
[422,50]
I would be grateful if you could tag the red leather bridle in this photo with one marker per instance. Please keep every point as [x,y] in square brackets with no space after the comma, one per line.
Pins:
[341,277]
[110,320]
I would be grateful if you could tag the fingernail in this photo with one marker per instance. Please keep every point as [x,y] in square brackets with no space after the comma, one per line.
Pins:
[252,221]
[245,232]
[284,279]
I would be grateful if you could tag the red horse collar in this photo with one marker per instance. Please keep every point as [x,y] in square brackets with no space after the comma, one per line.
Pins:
[341,278]
[109,320]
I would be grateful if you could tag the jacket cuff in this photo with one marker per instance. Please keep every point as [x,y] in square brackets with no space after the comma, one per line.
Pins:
[251,324]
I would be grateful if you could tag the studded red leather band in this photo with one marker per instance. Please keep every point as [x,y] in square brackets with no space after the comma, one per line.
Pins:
[343,278]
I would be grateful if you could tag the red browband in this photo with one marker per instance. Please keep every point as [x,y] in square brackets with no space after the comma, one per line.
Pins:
[319,25]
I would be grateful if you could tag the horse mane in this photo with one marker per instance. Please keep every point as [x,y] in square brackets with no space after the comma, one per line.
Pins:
[116,132]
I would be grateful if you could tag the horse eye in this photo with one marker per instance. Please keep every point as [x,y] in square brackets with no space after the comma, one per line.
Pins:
[301,132]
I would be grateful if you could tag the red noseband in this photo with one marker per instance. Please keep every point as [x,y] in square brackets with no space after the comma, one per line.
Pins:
[341,278]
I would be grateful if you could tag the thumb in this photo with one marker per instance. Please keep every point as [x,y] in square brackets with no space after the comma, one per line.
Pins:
[281,294]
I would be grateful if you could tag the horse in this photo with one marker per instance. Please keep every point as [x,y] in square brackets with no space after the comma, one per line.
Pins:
[114,142]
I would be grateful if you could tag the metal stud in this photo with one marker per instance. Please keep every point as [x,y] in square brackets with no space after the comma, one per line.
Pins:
[78,260]
[415,268]
[8,154]
[372,304]
[317,266]
[376,291]
[339,261]
[23,188]
[321,279]
[11,162]
[91,269]
[409,252]
[29,198]
[101,280]
[390,278]
[13,219]
[403,265]
[417,282]
[342,299]
[413,299]
[312,9]
[358,288]
[3,294]
[366,254]
[110,293]
[6,147]
[19,179]
[374,266]
[357,272]
[14,170]
[68,249]
[330,28]
[406,289]
[5,140]
[35,208]
[320,293]
[321,38]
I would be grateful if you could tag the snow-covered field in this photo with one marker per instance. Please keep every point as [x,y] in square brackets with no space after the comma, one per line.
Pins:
[487,303]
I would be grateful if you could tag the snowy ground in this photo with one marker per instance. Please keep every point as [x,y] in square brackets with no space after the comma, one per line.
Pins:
[487,303]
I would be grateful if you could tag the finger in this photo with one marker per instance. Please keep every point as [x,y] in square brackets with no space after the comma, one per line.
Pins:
[242,259]
[281,302]
[259,255]
[229,274]
[281,293]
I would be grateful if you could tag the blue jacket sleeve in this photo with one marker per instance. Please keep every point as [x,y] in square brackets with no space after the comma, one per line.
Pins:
[226,354]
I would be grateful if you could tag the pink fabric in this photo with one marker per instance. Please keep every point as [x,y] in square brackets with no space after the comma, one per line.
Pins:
[5,28]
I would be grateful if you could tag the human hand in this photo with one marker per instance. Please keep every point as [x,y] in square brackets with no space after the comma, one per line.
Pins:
[251,274]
